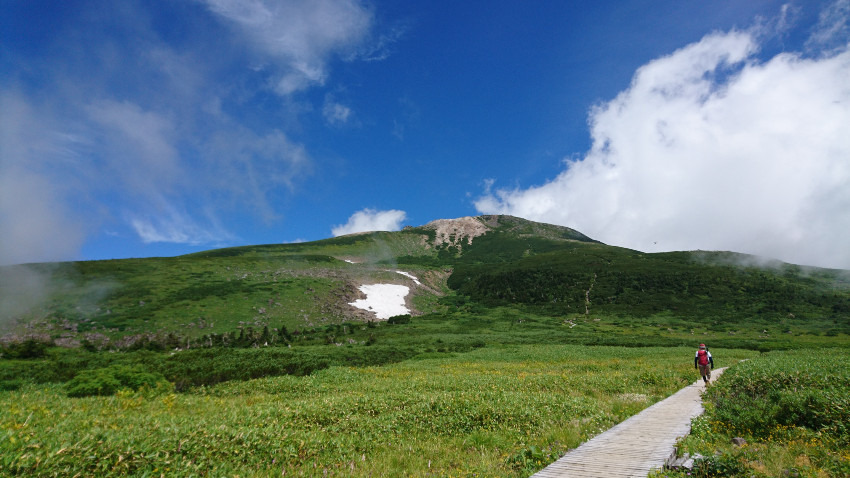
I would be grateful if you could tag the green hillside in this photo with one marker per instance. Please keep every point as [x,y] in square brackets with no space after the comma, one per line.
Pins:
[501,268]
[524,339]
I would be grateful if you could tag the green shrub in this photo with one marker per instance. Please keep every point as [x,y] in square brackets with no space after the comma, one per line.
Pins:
[210,366]
[805,388]
[28,349]
[399,319]
[107,381]
[719,465]
[92,383]
[11,384]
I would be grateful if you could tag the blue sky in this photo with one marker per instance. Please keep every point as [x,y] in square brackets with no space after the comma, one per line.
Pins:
[151,128]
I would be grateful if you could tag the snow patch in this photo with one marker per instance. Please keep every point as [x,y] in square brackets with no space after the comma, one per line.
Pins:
[407,274]
[385,300]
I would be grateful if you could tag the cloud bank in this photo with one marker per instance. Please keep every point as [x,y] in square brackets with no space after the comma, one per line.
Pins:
[711,148]
[369,220]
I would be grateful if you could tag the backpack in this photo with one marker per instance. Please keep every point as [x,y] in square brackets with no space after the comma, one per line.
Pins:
[702,357]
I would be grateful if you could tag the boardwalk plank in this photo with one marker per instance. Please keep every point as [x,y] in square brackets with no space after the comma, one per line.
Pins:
[637,445]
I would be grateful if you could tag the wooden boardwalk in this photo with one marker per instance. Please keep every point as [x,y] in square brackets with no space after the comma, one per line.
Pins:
[636,446]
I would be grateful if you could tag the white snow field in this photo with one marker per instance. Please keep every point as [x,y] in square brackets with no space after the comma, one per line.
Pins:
[385,300]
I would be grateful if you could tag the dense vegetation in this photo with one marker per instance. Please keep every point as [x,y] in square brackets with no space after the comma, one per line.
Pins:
[527,323]
[793,410]
[494,411]
[611,281]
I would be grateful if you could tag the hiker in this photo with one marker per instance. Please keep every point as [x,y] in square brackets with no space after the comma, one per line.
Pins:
[704,362]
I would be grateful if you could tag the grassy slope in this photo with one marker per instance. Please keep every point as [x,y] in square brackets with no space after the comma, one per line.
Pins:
[518,268]
[295,285]
[498,411]
[481,383]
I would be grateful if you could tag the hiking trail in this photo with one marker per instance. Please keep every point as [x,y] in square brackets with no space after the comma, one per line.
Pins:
[637,445]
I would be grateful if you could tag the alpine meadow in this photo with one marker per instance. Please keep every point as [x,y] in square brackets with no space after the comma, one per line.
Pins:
[520,341]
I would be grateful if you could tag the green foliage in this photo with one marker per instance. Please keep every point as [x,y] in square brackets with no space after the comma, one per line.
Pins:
[211,366]
[11,384]
[717,466]
[534,269]
[532,458]
[485,379]
[808,389]
[107,381]
[28,349]
[449,415]
[791,407]
[399,319]
[93,382]
[613,281]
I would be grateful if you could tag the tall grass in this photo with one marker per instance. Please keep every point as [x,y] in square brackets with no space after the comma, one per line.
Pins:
[500,411]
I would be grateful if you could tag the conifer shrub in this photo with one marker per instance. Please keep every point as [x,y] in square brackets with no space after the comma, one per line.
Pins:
[108,380]
[27,349]
[11,384]
[399,319]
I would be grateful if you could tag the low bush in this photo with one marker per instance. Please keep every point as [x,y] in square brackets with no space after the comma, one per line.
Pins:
[216,365]
[791,407]
[796,388]
[10,384]
[107,381]
[27,349]
[399,319]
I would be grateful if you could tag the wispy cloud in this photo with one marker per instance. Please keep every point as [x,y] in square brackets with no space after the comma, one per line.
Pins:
[710,148]
[833,29]
[138,125]
[371,220]
[135,145]
[299,37]
[248,170]
[179,228]
[336,114]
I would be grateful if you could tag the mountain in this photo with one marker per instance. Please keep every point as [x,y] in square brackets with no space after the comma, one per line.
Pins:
[500,268]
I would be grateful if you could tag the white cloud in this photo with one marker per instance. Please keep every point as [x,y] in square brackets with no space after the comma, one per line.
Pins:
[833,29]
[173,223]
[67,170]
[336,114]
[299,36]
[137,146]
[710,148]
[178,229]
[371,220]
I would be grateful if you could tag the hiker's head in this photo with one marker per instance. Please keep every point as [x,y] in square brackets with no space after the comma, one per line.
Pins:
[702,346]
